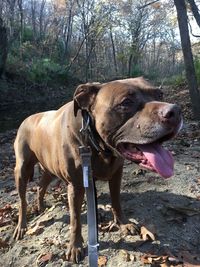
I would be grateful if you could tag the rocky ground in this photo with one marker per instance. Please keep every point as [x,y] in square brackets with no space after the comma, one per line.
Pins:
[167,211]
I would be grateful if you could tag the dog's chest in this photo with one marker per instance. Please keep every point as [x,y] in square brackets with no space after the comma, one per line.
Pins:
[103,168]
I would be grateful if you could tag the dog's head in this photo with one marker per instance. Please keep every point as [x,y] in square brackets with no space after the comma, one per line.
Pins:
[131,119]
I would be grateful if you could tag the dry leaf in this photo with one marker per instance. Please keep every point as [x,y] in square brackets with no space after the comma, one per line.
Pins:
[102,261]
[146,234]
[36,230]
[5,214]
[163,261]
[154,259]
[132,257]
[43,259]
[6,208]
[125,255]
[3,244]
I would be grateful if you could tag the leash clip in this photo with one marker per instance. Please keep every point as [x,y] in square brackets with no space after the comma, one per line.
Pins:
[85,125]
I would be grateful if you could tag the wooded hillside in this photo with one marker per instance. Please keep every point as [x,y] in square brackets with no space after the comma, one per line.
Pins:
[50,41]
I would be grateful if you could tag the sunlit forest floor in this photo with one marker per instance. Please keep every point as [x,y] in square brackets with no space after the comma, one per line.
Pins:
[169,209]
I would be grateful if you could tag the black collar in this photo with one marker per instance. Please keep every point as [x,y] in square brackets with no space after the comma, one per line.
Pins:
[89,133]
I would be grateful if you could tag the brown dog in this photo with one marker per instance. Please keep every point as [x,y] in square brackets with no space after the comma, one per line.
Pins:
[127,120]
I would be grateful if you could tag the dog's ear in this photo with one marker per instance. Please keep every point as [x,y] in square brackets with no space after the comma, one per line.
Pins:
[84,96]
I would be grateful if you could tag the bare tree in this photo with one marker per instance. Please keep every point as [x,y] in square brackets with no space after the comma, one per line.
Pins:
[3,47]
[195,11]
[41,18]
[95,39]
[188,57]
[33,18]
[11,4]
[68,27]
[114,51]
[20,5]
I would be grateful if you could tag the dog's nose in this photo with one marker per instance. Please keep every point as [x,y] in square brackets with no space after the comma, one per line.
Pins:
[170,113]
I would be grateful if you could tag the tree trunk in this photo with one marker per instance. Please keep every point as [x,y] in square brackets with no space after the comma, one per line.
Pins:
[195,11]
[33,18]
[114,51]
[41,18]
[3,47]
[11,16]
[130,65]
[188,57]
[21,20]
[68,29]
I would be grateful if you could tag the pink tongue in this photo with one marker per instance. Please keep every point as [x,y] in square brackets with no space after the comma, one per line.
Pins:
[160,158]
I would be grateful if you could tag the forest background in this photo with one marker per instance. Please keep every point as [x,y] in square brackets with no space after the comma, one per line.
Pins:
[53,43]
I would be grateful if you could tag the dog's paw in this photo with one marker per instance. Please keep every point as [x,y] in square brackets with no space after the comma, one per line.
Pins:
[129,229]
[124,228]
[75,253]
[19,232]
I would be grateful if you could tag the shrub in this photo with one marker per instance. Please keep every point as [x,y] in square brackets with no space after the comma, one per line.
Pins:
[197,69]
[45,71]
[136,71]
[27,34]
[36,70]
[176,80]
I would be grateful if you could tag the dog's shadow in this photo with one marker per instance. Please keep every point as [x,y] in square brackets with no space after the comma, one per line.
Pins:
[173,218]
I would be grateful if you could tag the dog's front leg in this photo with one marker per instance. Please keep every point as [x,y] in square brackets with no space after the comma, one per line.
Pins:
[75,199]
[119,220]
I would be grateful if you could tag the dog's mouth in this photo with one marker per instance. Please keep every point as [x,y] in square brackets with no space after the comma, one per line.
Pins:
[150,156]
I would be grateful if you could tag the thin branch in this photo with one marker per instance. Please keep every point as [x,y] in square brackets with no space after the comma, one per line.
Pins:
[148,4]
[197,36]
[195,11]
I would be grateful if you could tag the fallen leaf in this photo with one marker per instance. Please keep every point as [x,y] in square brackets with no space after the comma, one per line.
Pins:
[146,234]
[3,244]
[125,255]
[102,261]
[4,222]
[36,230]
[6,208]
[43,259]
[155,260]
[5,214]
[132,257]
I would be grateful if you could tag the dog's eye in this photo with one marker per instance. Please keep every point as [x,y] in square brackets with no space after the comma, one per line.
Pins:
[126,102]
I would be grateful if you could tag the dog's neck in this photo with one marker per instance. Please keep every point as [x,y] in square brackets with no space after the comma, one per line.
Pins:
[91,136]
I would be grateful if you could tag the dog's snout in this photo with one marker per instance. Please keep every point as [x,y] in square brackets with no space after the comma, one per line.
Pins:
[170,113]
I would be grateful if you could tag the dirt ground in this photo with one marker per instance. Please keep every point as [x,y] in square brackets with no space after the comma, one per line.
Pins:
[168,208]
